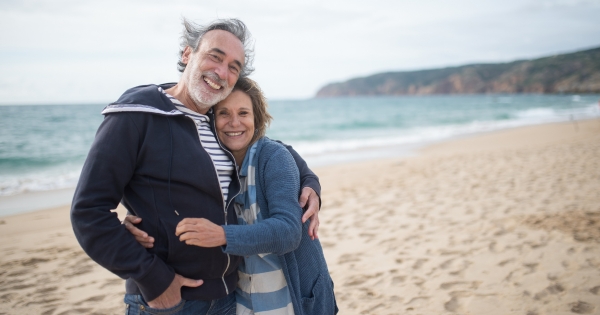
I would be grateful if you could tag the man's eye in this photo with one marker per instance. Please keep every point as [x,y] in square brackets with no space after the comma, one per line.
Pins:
[214,57]
[234,69]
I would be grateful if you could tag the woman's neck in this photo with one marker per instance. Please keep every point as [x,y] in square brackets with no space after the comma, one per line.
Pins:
[239,156]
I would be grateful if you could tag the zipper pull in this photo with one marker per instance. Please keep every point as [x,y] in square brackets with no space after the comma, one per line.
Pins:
[177,213]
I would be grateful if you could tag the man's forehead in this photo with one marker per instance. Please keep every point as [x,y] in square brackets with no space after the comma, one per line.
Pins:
[223,42]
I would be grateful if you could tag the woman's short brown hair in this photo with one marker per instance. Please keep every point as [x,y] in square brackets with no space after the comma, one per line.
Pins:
[262,118]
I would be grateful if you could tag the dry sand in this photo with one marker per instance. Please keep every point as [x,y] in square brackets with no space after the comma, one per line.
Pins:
[502,223]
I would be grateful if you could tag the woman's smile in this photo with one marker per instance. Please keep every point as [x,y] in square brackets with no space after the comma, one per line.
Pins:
[233,134]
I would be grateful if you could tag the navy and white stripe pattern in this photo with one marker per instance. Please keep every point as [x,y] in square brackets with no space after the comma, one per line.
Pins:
[221,160]
[262,287]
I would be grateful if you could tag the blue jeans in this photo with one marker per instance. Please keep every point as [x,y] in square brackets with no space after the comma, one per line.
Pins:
[135,305]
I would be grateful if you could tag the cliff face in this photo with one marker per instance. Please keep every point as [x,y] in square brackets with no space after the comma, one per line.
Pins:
[577,72]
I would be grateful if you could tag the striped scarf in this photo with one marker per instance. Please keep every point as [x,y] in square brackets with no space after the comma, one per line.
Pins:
[262,288]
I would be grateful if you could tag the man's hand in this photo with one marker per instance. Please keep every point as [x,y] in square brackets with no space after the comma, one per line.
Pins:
[172,295]
[309,201]
[140,236]
[200,232]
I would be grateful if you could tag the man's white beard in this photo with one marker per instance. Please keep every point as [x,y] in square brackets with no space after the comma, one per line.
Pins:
[204,97]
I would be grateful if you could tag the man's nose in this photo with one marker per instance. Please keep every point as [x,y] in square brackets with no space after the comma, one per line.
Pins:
[221,71]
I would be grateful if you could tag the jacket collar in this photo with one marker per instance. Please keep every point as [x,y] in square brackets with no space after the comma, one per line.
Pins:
[145,99]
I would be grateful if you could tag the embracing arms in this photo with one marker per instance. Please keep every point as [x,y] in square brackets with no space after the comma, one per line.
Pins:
[309,200]
[280,229]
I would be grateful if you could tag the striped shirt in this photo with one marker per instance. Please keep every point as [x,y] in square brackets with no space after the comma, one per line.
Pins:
[262,287]
[221,160]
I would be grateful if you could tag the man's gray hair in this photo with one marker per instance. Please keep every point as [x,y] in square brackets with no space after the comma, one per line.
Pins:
[192,35]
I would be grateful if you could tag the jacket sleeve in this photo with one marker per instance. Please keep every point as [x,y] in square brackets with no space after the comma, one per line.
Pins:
[307,177]
[281,232]
[107,170]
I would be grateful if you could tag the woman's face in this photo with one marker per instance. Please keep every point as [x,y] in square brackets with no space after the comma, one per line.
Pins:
[235,122]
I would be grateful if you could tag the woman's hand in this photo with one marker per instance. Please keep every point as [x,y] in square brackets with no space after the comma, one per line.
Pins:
[309,200]
[200,232]
[140,236]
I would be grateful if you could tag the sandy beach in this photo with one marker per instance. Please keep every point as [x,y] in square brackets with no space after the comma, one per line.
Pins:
[500,223]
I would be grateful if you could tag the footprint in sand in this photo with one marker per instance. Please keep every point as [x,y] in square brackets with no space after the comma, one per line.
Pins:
[454,304]
[76,311]
[34,261]
[504,262]
[466,284]
[417,302]
[45,290]
[21,272]
[92,299]
[419,263]
[360,279]
[347,258]
[369,236]
[398,279]
[79,270]
[531,268]
[461,269]
[19,287]
[550,290]
[354,281]
[7,298]
[446,264]
[581,307]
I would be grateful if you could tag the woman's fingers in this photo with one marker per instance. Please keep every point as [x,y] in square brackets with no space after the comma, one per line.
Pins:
[200,232]
[140,236]
[313,227]
[186,228]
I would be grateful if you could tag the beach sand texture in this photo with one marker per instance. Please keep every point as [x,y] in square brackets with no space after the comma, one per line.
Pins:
[501,223]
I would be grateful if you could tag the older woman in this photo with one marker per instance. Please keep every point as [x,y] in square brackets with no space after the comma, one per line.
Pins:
[284,271]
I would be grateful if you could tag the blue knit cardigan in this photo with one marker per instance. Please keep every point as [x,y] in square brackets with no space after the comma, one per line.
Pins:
[282,232]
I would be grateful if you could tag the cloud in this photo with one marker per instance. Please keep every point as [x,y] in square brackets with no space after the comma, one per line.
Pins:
[95,50]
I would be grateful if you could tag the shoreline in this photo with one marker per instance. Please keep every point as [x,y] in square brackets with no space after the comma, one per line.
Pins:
[46,199]
[35,201]
[506,222]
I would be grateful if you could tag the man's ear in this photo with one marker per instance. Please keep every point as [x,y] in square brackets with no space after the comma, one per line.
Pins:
[185,57]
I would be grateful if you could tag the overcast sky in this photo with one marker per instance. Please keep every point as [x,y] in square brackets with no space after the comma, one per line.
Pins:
[71,51]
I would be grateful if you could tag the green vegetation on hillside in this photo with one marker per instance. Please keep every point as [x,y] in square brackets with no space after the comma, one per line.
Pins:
[577,72]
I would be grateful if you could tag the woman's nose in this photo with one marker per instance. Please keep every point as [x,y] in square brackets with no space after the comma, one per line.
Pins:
[235,121]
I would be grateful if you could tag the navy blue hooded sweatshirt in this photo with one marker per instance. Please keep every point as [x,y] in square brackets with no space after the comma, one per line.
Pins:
[147,155]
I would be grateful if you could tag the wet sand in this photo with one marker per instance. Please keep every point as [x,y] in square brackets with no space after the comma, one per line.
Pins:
[500,223]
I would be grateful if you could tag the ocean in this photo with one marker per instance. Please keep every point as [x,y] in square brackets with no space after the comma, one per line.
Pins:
[43,147]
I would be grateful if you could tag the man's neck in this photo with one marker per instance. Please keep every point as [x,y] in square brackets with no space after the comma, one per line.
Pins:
[179,92]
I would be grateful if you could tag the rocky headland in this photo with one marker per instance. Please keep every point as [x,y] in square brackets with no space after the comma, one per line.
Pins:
[577,72]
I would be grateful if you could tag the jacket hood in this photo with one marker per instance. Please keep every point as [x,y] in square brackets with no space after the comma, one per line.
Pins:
[144,98]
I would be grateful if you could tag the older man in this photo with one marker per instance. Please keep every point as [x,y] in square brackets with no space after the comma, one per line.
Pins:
[156,153]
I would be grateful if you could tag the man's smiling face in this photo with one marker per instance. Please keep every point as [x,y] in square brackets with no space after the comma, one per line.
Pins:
[212,70]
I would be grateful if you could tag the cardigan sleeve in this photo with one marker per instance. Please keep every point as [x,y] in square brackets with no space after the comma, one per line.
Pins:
[280,232]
